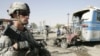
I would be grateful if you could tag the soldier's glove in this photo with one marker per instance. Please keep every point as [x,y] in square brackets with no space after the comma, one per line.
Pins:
[23,45]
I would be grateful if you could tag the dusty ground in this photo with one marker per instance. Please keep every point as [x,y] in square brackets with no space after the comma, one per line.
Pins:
[81,50]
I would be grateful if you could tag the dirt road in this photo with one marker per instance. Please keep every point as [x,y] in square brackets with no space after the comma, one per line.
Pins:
[81,50]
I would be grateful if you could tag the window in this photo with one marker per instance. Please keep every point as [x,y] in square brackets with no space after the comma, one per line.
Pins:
[98,16]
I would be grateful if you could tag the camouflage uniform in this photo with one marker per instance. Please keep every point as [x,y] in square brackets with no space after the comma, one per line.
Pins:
[27,46]
[24,39]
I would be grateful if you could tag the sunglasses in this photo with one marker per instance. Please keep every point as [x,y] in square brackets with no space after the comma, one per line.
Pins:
[23,12]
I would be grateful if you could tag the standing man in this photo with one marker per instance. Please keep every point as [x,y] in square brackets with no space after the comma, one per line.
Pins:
[58,32]
[17,40]
[47,32]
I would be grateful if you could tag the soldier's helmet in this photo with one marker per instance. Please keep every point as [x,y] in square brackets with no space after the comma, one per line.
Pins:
[18,6]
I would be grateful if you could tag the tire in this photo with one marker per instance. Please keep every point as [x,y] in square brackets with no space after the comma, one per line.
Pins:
[74,41]
[64,44]
[57,42]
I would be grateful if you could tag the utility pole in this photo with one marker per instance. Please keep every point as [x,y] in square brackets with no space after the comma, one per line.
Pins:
[68,23]
[68,19]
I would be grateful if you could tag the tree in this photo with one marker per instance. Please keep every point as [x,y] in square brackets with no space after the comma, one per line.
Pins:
[33,25]
[59,25]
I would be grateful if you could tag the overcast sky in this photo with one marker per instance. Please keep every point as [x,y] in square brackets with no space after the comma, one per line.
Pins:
[51,11]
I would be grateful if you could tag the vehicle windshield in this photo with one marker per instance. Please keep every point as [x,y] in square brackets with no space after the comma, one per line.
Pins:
[98,16]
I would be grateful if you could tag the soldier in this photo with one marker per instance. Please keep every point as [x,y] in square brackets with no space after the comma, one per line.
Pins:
[16,39]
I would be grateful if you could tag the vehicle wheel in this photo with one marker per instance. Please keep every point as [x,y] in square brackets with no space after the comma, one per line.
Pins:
[57,42]
[74,41]
[64,44]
